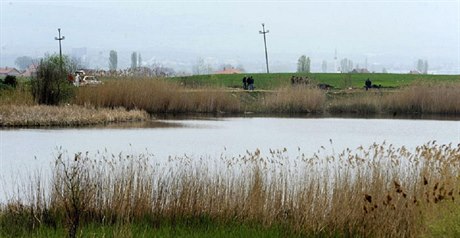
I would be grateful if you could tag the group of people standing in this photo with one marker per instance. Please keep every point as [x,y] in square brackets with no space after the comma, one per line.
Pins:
[248,83]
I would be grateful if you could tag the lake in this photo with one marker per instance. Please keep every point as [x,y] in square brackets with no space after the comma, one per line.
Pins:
[25,149]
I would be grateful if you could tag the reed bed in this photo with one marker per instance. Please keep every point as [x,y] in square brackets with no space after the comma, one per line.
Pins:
[157,96]
[163,96]
[417,98]
[379,191]
[71,115]
[360,104]
[299,99]
[20,95]
[424,97]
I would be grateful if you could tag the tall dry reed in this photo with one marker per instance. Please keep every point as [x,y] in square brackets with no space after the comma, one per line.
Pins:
[157,96]
[299,99]
[368,103]
[423,97]
[379,191]
[420,97]
[72,115]
[20,95]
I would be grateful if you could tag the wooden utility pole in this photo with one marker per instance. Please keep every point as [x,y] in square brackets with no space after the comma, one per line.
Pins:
[60,48]
[265,43]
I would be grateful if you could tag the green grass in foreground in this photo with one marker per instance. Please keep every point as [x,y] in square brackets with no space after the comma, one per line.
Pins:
[339,81]
[445,222]
[186,229]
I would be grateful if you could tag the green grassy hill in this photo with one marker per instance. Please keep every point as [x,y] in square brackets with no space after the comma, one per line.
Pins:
[339,81]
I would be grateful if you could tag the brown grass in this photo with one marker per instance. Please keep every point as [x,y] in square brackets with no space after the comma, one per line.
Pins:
[299,99]
[423,97]
[21,95]
[157,96]
[11,115]
[418,98]
[380,191]
[368,103]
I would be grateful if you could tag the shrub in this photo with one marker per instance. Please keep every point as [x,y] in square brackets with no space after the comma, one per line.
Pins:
[11,81]
[50,86]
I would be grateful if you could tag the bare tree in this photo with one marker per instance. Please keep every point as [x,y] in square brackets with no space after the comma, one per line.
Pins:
[139,60]
[134,60]
[422,66]
[346,65]
[303,64]
[158,70]
[113,60]
[201,67]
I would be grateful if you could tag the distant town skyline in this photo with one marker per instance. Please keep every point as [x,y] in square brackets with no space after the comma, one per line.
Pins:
[385,34]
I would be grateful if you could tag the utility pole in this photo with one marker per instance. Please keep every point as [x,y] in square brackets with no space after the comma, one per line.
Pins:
[265,43]
[60,48]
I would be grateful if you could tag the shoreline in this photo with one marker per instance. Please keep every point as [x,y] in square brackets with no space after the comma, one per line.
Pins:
[26,117]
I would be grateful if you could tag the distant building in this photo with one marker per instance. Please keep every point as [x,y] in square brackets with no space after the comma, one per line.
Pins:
[9,71]
[414,72]
[228,71]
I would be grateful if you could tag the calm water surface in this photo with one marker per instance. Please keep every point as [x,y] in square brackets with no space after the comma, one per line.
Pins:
[34,148]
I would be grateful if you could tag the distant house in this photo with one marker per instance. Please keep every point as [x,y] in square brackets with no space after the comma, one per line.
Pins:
[228,71]
[30,71]
[414,72]
[9,71]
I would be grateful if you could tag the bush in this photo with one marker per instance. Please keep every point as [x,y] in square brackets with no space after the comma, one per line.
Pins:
[11,81]
[50,85]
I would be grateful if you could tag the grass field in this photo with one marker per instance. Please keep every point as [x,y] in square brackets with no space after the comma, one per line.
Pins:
[338,81]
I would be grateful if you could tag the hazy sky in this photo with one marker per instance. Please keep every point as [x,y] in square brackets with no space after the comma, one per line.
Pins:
[385,32]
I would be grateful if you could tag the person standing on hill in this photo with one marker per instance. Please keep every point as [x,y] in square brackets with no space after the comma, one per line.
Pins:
[245,83]
[368,84]
[251,83]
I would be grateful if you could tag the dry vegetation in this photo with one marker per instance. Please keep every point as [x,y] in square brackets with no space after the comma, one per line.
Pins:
[380,191]
[161,96]
[418,98]
[21,95]
[17,107]
[35,115]
[157,96]
[430,98]
[300,99]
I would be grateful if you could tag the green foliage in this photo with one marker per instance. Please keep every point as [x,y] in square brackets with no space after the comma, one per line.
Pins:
[50,86]
[11,81]
[445,221]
